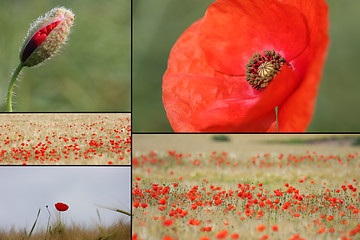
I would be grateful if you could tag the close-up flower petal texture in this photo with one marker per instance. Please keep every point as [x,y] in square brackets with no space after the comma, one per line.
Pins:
[230,69]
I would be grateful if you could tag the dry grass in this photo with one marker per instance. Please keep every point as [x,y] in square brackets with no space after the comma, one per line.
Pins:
[119,231]
[240,144]
[95,139]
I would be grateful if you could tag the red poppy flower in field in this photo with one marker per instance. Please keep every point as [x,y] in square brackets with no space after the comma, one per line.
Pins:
[61,207]
[168,222]
[222,234]
[168,238]
[232,68]
[260,227]
[235,236]
[275,228]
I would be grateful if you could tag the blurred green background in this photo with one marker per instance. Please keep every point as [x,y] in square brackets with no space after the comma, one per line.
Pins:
[92,71]
[158,23]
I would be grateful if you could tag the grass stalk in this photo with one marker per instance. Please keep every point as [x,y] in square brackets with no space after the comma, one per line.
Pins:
[32,229]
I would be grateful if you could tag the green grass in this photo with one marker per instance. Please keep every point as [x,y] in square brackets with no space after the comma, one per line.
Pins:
[221,138]
[339,139]
[92,71]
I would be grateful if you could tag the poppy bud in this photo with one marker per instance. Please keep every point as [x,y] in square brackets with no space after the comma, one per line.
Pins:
[46,35]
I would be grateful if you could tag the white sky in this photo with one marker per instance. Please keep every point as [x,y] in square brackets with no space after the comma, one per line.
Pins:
[25,189]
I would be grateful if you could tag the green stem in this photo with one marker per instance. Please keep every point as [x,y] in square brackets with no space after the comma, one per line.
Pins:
[277,122]
[11,86]
[47,228]
[32,229]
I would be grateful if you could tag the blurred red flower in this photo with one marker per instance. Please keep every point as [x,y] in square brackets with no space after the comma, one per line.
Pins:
[275,228]
[235,236]
[62,207]
[168,222]
[222,234]
[219,70]
[260,227]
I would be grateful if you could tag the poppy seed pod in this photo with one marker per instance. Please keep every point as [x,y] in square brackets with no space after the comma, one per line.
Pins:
[46,35]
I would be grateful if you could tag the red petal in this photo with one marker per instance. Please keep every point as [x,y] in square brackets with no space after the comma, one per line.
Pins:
[277,93]
[191,87]
[296,113]
[37,39]
[233,30]
[61,207]
[316,13]
[197,98]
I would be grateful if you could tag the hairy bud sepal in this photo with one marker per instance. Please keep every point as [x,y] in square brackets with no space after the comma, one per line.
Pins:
[46,35]
[44,38]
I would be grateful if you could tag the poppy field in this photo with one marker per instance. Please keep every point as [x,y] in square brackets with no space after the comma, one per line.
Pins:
[283,193]
[73,139]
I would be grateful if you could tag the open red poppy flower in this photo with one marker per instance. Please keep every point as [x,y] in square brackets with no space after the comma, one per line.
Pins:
[62,207]
[232,68]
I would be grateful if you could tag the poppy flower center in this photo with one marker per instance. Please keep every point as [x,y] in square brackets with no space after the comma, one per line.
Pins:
[262,68]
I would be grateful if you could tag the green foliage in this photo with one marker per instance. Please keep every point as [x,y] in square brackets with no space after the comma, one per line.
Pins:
[356,142]
[221,138]
[92,71]
[290,141]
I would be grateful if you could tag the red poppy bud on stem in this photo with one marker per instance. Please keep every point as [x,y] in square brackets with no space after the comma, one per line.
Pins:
[46,35]
[44,38]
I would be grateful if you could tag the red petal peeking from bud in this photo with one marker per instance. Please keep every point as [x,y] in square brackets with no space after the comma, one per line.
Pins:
[37,39]
[44,38]
[62,207]
[46,35]
[232,68]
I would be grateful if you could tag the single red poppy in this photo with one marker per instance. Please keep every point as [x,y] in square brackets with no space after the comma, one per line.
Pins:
[230,70]
[222,234]
[62,207]
[260,227]
[168,222]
